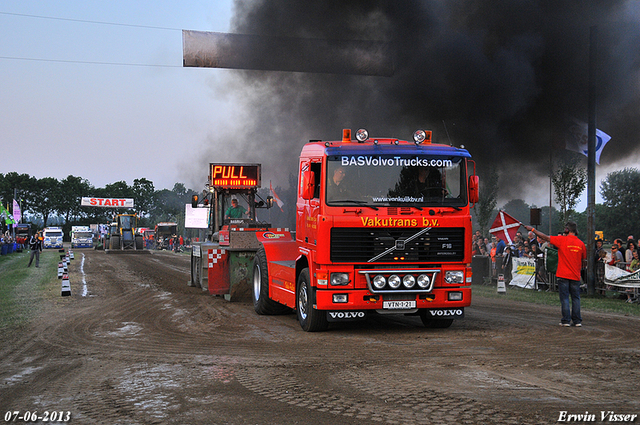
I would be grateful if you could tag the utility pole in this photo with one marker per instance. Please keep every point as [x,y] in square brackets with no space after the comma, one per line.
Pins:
[591,163]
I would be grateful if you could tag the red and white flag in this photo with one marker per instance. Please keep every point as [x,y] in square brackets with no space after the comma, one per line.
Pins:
[278,201]
[504,227]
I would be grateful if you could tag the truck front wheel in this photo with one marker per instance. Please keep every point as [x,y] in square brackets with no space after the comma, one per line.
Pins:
[311,320]
[262,304]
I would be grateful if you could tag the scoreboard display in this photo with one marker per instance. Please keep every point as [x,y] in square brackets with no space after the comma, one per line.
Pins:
[234,176]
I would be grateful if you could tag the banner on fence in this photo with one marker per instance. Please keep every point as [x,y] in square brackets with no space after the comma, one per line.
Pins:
[622,278]
[522,272]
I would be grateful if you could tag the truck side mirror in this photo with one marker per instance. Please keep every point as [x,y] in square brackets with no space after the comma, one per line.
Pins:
[307,184]
[474,189]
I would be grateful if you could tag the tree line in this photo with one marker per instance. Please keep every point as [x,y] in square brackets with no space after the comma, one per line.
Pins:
[48,200]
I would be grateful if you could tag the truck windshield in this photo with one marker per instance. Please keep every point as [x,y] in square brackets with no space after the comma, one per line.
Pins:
[126,222]
[395,180]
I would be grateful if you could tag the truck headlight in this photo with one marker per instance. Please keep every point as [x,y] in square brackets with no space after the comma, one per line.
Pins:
[362,135]
[379,281]
[408,281]
[455,296]
[423,281]
[339,279]
[394,281]
[454,276]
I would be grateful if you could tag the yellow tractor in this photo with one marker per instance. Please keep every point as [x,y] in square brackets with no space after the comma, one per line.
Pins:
[124,237]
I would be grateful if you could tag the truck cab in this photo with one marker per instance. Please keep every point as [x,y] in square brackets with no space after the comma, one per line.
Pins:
[81,237]
[383,225]
[52,237]
[122,236]
[23,234]
[163,233]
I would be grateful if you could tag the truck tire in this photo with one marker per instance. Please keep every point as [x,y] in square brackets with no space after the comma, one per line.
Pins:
[114,242]
[262,304]
[430,322]
[139,242]
[311,320]
[196,271]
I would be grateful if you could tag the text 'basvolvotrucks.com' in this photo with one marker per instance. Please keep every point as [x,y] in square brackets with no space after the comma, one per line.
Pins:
[383,225]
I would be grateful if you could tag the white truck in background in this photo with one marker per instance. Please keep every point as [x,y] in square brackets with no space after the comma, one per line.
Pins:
[52,237]
[81,237]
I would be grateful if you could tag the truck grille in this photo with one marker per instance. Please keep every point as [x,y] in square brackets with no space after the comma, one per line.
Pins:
[360,245]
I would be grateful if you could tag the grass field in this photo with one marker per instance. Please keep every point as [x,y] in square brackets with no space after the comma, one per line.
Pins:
[609,304]
[23,289]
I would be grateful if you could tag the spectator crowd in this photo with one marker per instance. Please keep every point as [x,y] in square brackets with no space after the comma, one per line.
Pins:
[7,244]
[623,255]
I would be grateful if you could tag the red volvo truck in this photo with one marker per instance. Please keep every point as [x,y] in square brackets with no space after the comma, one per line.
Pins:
[383,226]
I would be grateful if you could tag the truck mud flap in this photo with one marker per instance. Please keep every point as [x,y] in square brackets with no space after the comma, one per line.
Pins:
[345,316]
[446,313]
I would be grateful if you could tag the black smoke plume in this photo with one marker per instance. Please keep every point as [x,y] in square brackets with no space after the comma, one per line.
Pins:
[502,77]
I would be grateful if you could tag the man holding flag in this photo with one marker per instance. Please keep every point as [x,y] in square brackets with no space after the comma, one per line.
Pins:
[571,253]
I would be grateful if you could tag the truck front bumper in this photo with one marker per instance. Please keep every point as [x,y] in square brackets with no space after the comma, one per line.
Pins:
[355,299]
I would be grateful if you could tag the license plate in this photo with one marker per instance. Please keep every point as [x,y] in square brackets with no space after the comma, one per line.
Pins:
[393,305]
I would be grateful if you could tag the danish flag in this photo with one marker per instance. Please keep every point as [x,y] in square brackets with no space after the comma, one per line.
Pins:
[504,227]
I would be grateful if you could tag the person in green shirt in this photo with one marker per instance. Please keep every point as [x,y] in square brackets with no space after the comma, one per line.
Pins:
[235,210]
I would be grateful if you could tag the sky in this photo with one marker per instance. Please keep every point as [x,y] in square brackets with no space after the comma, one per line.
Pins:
[97,89]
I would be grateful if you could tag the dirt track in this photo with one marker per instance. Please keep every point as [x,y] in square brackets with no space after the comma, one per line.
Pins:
[144,348]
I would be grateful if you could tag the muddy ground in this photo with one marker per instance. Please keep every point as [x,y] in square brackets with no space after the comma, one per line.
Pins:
[135,345]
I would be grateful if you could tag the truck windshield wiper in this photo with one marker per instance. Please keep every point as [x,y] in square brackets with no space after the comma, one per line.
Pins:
[363,203]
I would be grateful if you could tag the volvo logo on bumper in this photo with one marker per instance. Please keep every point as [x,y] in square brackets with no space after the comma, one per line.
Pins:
[338,316]
[447,312]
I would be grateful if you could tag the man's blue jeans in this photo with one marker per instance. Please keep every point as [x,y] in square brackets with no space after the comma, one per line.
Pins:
[570,288]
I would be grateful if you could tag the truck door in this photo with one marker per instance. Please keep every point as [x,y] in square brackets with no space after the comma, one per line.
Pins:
[308,201]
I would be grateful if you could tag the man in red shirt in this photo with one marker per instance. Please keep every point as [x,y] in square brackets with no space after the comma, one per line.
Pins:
[571,253]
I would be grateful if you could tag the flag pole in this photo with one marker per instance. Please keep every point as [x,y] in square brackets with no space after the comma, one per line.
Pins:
[550,183]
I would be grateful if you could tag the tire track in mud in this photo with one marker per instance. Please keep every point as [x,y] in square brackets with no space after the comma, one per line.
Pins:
[145,318]
[371,397]
[144,346]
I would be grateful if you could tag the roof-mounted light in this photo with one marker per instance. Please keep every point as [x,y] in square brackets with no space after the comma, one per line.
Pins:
[346,135]
[421,136]
[362,135]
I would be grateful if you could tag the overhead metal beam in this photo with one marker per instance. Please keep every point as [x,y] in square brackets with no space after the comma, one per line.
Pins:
[239,51]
